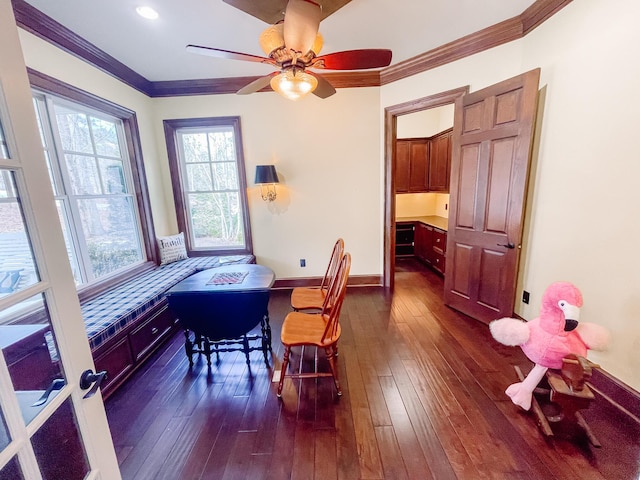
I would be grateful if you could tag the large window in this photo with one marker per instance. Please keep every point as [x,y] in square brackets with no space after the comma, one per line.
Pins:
[89,170]
[209,183]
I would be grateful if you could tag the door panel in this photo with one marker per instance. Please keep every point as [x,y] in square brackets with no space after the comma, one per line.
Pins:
[492,138]
[48,429]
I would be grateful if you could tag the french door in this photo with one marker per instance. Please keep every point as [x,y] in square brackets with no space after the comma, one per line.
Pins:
[52,425]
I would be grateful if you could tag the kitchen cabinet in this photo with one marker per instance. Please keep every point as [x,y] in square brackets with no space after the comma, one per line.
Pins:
[423,164]
[404,239]
[440,161]
[431,246]
[412,165]
[424,242]
[439,249]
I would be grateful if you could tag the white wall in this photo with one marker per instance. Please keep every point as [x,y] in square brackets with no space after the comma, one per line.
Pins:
[584,204]
[425,123]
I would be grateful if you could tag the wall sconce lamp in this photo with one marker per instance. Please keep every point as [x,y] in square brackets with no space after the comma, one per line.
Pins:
[267,178]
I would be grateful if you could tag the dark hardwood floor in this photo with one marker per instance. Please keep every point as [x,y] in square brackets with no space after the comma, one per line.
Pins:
[423,399]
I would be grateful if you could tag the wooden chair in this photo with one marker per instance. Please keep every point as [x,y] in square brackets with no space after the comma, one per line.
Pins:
[317,329]
[312,298]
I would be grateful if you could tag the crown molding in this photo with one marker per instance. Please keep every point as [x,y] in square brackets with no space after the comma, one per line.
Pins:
[34,21]
[219,86]
[493,36]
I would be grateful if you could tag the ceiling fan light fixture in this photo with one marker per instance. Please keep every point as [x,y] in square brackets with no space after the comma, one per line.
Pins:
[294,84]
[272,38]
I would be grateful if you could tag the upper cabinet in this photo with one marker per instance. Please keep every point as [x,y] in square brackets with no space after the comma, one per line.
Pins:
[423,164]
[412,167]
[440,161]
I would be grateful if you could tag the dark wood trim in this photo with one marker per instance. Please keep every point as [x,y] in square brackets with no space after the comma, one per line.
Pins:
[489,37]
[616,392]
[170,129]
[353,281]
[391,115]
[34,21]
[53,86]
[220,86]
[539,12]
[501,33]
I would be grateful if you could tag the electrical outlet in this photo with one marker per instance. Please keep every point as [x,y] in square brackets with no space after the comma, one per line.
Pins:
[525,296]
[303,262]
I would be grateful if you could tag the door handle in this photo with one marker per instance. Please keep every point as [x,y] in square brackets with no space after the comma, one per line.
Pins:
[508,245]
[88,377]
[57,384]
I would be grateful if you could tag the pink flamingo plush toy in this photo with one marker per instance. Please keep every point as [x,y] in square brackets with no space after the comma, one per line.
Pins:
[547,339]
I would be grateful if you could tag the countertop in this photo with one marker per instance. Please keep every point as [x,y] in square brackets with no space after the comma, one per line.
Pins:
[433,220]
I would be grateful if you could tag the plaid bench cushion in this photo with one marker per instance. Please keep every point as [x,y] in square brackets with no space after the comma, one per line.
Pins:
[109,313]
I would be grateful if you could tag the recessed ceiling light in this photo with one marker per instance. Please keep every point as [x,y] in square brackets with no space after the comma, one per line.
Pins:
[147,12]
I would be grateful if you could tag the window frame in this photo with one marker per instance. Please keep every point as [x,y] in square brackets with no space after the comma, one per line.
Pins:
[46,84]
[171,128]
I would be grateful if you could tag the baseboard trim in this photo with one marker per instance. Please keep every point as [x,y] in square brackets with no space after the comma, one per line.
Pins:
[354,281]
[617,393]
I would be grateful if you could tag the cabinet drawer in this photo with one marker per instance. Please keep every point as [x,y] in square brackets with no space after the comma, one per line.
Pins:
[438,262]
[439,241]
[149,334]
[117,361]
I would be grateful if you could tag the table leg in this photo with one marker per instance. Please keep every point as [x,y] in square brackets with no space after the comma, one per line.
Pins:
[245,347]
[268,330]
[207,349]
[188,347]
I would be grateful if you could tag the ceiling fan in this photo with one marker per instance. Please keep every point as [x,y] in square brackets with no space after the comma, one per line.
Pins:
[292,46]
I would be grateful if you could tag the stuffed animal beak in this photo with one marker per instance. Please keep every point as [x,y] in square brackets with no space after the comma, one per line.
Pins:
[571,315]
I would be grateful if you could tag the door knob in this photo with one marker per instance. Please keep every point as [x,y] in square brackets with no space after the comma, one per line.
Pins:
[508,245]
[88,377]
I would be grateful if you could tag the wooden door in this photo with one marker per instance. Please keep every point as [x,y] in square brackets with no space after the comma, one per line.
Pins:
[50,427]
[493,130]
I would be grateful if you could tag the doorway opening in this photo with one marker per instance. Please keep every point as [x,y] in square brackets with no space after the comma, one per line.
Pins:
[391,115]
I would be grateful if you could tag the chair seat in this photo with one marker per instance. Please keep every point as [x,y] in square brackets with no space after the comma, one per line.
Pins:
[306,298]
[306,329]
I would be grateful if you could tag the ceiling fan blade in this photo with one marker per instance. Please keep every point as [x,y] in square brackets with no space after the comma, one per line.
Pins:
[324,88]
[256,85]
[301,23]
[354,59]
[228,54]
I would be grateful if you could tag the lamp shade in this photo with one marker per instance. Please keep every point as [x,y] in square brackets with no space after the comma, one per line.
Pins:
[266,174]
[294,84]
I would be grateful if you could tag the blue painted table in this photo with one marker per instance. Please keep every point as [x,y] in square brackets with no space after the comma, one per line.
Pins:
[217,316]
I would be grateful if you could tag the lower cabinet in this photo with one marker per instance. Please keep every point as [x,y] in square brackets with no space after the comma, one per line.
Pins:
[431,246]
[405,238]
[123,354]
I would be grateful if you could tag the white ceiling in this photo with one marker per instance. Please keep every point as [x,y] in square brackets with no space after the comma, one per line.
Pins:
[156,49]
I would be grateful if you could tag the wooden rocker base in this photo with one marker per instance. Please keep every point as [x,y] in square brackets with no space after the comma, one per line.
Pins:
[557,402]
